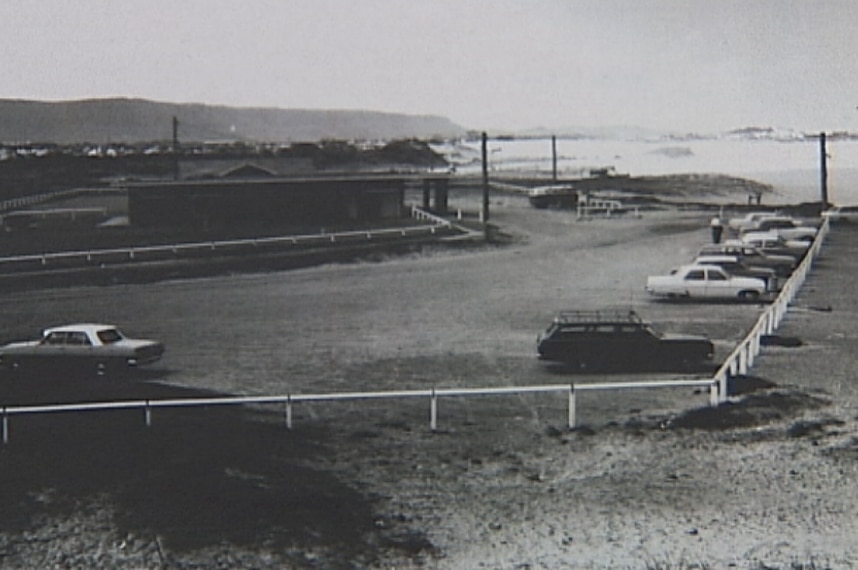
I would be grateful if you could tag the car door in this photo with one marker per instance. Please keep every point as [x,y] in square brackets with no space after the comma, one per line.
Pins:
[52,348]
[78,348]
[718,284]
[695,282]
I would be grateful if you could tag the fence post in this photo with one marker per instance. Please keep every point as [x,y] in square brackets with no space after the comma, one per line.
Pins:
[570,420]
[714,399]
[433,411]
[752,349]
[5,426]
[722,387]
[148,414]
[289,411]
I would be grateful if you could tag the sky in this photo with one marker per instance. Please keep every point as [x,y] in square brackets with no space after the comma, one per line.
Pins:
[676,65]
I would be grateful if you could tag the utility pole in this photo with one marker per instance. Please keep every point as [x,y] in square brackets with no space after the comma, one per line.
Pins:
[823,170]
[554,158]
[175,148]
[485,212]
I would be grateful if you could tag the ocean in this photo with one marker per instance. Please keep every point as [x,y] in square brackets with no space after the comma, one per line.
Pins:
[792,167]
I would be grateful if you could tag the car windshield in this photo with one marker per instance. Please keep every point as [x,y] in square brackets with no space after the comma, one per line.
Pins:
[109,336]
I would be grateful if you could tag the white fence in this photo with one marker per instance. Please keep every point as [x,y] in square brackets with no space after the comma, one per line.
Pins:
[738,362]
[288,401]
[160,252]
[742,358]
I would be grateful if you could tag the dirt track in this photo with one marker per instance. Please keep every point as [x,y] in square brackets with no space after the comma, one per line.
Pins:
[502,485]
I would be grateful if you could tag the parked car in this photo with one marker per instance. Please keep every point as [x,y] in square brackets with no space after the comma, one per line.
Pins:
[705,282]
[734,266]
[619,341]
[773,243]
[750,255]
[91,348]
[841,214]
[786,227]
[749,220]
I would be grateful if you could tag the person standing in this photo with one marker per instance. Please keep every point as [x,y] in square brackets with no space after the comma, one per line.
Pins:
[717,229]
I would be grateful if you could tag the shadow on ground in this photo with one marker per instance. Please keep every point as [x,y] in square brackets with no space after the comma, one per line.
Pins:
[197,477]
[760,403]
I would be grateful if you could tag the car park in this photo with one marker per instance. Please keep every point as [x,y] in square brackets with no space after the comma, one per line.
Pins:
[74,348]
[736,267]
[619,341]
[750,255]
[705,282]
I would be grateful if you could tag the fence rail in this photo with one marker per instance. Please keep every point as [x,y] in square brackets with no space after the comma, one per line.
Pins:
[738,362]
[433,395]
[29,200]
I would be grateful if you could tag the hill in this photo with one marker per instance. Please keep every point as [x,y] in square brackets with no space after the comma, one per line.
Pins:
[139,120]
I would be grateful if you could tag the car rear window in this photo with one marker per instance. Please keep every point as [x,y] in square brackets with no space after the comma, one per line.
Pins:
[109,336]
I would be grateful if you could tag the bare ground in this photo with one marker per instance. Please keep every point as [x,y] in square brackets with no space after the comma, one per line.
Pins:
[650,479]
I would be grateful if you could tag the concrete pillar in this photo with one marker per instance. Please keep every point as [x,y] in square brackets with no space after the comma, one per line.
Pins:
[441,196]
[426,193]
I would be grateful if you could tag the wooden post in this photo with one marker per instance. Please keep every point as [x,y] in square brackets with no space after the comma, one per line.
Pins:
[571,419]
[554,158]
[823,170]
[175,148]
[485,211]
[433,412]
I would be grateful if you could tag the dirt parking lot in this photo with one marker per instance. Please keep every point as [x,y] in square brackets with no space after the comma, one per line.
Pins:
[365,485]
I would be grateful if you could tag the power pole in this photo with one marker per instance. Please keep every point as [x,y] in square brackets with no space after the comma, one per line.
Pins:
[485,213]
[175,148]
[554,158]
[823,170]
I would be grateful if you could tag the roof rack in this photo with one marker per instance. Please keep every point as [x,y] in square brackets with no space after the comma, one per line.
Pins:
[591,316]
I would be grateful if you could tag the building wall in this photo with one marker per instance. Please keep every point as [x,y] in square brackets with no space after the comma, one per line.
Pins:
[222,203]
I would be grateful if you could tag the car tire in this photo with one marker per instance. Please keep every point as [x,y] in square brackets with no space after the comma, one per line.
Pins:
[749,295]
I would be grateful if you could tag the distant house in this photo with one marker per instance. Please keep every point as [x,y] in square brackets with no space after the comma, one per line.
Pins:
[248,170]
[276,167]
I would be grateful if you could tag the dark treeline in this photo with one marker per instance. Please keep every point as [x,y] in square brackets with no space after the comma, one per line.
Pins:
[59,168]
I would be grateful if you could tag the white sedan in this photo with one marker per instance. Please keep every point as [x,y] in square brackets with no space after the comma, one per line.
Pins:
[705,282]
[91,348]
[748,221]
[785,227]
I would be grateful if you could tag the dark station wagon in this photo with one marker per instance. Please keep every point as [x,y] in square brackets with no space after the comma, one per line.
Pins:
[619,341]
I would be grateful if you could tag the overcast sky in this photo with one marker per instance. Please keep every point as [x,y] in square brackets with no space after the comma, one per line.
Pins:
[681,65]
